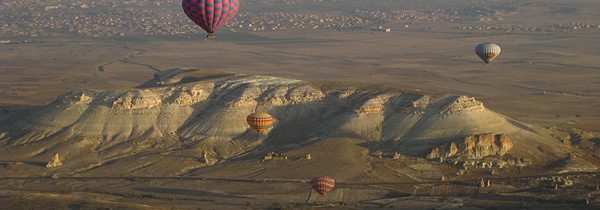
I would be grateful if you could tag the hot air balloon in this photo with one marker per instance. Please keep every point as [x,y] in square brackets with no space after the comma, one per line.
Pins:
[260,121]
[487,51]
[322,184]
[210,14]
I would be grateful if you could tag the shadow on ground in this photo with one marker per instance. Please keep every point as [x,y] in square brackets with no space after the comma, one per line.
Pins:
[173,191]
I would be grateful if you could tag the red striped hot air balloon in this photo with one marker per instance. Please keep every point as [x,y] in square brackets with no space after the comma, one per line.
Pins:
[322,184]
[210,14]
[259,121]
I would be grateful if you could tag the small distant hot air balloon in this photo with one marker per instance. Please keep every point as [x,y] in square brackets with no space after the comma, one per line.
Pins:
[260,121]
[322,184]
[487,51]
[210,14]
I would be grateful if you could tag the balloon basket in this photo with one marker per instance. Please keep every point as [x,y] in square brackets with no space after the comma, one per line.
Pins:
[210,36]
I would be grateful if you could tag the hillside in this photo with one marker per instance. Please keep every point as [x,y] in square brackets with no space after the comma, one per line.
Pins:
[162,127]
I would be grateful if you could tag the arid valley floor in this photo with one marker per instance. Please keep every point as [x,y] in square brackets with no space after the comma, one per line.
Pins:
[543,92]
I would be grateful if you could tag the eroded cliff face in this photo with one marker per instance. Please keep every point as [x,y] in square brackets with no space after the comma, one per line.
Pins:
[474,146]
[210,111]
[285,95]
[139,98]
[374,105]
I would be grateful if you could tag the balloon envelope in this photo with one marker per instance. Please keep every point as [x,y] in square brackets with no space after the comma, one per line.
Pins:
[322,184]
[487,51]
[260,121]
[210,14]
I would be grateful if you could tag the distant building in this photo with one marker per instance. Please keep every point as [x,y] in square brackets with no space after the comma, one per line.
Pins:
[381,28]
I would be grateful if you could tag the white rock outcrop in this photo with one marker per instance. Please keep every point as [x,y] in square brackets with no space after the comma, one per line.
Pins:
[55,161]
[464,104]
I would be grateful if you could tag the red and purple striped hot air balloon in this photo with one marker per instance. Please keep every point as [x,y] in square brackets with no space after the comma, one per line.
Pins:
[210,14]
[322,184]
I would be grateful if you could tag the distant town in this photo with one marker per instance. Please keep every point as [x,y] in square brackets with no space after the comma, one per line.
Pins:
[108,18]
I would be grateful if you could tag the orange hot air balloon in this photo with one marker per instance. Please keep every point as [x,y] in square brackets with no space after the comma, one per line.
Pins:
[259,121]
[322,184]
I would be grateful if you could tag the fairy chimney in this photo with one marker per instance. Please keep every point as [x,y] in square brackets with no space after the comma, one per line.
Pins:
[54,162]
[396,156]
[307,156]
[204,158]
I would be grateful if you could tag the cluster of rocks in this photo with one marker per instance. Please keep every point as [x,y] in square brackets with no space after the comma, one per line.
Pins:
[479,151]
[474,146]
[283,156]
[275,156]
[557,182]
[486,162]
